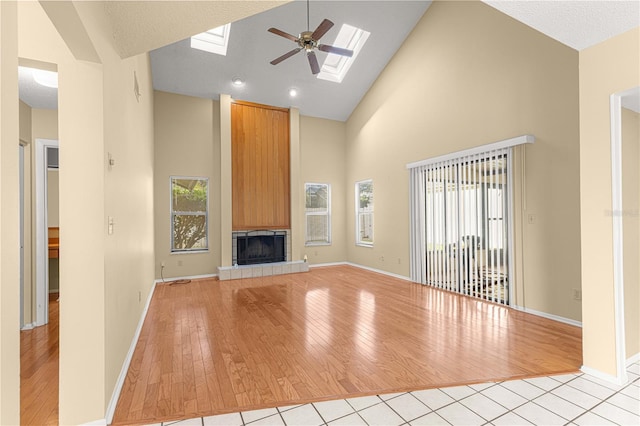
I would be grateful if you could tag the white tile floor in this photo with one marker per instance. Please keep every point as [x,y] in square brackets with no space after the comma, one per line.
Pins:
[571,399]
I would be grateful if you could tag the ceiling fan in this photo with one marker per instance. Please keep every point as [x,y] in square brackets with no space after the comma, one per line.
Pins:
[308,41]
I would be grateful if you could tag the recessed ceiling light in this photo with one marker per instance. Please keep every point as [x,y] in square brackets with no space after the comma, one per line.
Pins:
[237,81]
[293,92]
[46,78]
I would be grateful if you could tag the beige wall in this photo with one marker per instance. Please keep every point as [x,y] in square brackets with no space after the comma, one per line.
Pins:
[322,160]
[28,271]
[35,124]
[105,278]
[606,68]
[187,143]
[631,228]
[9,220]
[466,76]
[44,123]
[53,202]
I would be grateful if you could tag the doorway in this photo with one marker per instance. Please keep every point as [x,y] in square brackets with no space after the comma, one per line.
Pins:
[46,149]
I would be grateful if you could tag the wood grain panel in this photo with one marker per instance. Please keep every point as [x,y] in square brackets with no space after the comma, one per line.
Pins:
[260,167]
[332,333]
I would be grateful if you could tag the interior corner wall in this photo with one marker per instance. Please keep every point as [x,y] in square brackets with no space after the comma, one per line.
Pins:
[631,228]
[9,220]
[128,190]
[466,76]
[187,143]
[607,68]
[105,278]
[82,327]
[322,160]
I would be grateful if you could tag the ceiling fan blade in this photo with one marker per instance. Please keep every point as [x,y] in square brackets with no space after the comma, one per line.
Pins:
[313,62]
[322,29]
[283,34]
[336,50]
[286,56]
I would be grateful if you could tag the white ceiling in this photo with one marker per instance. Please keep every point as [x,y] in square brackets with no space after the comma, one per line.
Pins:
[178,68]
[33,94]
[577,24]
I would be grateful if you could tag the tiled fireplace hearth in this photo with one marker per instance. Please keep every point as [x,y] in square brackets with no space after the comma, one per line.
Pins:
[261,253]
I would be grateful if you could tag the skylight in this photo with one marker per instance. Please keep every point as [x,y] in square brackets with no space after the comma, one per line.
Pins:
[335,67]
[214,40]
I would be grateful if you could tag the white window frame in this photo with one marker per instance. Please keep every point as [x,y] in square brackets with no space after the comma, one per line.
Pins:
[172,213]
[327,213]
[359,213]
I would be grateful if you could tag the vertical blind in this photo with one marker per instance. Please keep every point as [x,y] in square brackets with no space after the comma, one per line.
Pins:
[460,230]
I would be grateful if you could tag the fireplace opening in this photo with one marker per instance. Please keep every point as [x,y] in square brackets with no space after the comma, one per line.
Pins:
[261,247]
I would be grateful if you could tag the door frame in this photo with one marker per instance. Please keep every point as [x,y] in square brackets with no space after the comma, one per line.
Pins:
[22,223]
[42,234]
[617,220]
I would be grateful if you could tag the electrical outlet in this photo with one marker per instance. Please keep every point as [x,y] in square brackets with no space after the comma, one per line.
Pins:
[381,258]
[162,264]
[399,261]
[531,219]
[139,296]
[577,294]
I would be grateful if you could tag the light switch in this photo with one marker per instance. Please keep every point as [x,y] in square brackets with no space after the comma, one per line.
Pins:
[110,225]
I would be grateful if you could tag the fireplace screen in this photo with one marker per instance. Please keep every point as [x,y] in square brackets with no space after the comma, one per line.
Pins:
[261,247]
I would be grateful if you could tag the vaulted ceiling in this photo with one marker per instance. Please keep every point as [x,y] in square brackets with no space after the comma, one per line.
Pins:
[164,28]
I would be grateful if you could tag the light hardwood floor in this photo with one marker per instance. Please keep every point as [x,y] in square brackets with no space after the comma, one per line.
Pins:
[39,371]
[211,347]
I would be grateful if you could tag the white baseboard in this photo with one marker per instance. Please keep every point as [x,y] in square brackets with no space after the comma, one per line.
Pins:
[189,277]
[111,408]
[29,326]
[549,316]
[100,422]
[633,359]
[379,271]
[322,265]
[605,376]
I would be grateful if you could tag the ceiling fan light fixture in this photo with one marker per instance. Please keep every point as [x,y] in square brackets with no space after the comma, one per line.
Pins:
[293,92]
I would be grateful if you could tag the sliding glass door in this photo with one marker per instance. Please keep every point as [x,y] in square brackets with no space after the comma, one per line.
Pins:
[460,225]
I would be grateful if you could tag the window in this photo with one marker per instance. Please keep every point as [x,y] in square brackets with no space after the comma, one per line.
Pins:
[318,213]
[335,67]
[189,214]
[214,40]
[364,213]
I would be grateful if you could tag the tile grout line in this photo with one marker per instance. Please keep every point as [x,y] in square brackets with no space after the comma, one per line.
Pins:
[601,401]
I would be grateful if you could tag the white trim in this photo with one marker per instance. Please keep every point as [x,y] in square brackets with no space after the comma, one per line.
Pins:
[548,316]
[42,250]
[322,265]
[616,219]
[603,376]
[189,277]
[29,326]
[633,359]
[21,212]
[507,143]
[99,422]
[111,408]
[379,271]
